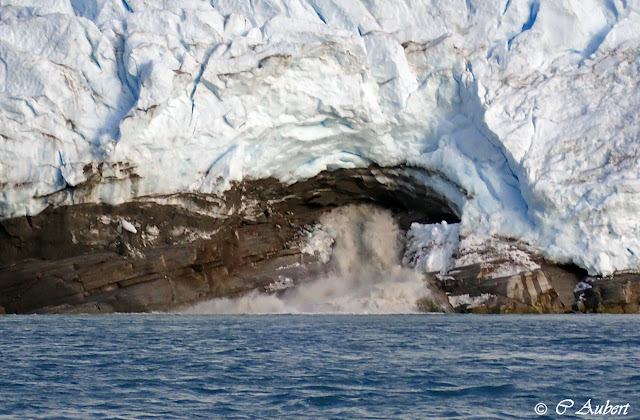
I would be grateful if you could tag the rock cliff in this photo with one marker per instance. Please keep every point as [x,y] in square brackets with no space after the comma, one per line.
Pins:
[154,153]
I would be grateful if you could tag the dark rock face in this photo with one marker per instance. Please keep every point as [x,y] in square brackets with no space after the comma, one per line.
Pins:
[617,294]
[145,256]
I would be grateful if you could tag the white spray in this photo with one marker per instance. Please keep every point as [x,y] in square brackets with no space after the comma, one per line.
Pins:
[365,246]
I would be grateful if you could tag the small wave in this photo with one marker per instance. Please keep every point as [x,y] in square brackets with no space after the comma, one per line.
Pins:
[484,390]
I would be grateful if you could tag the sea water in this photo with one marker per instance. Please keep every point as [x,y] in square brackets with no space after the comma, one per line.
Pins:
[316,366]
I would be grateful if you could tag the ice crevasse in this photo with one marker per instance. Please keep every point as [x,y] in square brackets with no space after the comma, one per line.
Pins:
[531,107]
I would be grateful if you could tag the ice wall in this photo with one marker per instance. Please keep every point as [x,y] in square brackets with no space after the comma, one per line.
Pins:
[529,106]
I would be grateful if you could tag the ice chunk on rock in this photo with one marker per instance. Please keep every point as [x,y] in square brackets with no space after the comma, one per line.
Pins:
[430,247]
[581,287]
[128,226]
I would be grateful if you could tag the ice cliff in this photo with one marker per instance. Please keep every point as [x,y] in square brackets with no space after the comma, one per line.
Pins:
[530,107]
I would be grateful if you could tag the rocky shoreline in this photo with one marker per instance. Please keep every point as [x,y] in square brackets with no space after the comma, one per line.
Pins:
[166,252]
[552,289]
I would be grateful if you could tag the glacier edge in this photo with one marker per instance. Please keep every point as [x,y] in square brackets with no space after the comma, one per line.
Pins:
[534,115]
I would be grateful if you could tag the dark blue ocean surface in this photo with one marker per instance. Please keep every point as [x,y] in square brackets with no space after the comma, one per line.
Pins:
[281,366]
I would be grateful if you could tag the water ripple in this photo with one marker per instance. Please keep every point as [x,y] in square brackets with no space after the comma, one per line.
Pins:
[402,366]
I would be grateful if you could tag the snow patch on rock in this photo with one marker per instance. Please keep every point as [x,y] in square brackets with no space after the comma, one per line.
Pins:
[499,257]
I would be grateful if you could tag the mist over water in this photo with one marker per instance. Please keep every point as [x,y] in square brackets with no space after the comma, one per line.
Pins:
[364,246]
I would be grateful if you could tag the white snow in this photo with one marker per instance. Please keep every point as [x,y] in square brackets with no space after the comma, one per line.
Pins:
[191,235]
[499,257]
[319,242]
[530,107]
[430,248]
[150,235]
[282,283]
[581,287]
[104,219]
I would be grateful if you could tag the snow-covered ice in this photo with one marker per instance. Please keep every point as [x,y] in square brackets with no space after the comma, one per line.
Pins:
[529,106]
[430,248]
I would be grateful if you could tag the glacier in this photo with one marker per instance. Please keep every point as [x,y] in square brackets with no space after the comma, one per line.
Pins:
[529,107]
